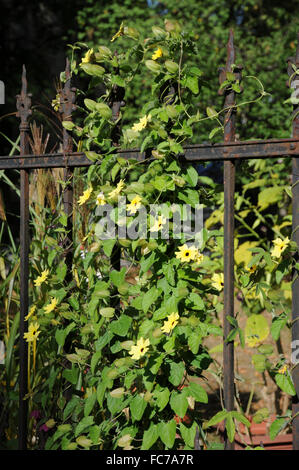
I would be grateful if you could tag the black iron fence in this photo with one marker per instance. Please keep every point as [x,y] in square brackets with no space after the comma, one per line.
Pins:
[228,152]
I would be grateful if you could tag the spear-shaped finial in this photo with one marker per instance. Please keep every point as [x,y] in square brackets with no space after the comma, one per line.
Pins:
[67,94]
[293,64]
[230,66]
[24,102]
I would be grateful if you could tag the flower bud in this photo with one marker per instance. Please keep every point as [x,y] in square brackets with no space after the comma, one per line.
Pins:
[117,392]
[153,66]
[104,52]
[171,66]
[159,33]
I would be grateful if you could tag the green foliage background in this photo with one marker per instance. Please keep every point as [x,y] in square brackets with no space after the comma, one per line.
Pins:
[265,36]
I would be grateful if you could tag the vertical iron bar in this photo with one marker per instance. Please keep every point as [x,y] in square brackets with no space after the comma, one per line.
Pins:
[229,188]
[116,102]
[23,107]
[67,105]
[295,237]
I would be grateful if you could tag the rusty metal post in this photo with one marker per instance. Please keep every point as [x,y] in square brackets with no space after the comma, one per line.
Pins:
[229,189]
[67,106]
[295,236]
[24,111]
[116,102]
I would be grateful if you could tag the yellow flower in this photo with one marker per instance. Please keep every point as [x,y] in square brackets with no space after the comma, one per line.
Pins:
[279,246]
[218,281]
[187,253]
[51,306]
[119,33]
[158,53]
[117,190]
[172,321]
[252,269]
[56,102]
[158,224]
[42,278]
[31,312]
[33,332]
[88,56]
[101,201]
[85,196]
[199,257]
[140,349]
[134,205]
[283,370]
[142,123]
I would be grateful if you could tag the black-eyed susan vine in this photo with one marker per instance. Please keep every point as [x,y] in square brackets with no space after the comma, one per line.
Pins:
[121,351]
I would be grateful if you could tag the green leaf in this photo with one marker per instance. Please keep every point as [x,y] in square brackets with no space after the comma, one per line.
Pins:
[197,392]
[259,362]
[89,404]
[169,272]
[93,69]
[167,433]
[147,262]
[197,301]
[230,427]
[192,176]
[108,246]
[217,418]
[137,407]
[150,297]
[188,434]
[83,424]
[260,415]
[70,407]
[118,277]
[60,335]
[269,196]
[149,437]
[117,80]
[194,341]
[177,370]
[101,388]
[95,360]
[94,434]
[121,326]
[277,324]
[241,418]
[162,398]
[211,112]
[91,105]
[191,82]
[179,403]
[276,427]
[61,271]
[215,131]
[256,329]
[195,71]
[71,375]
[285,383]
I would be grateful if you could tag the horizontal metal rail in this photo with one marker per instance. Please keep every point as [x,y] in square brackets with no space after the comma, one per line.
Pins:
[245,150]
